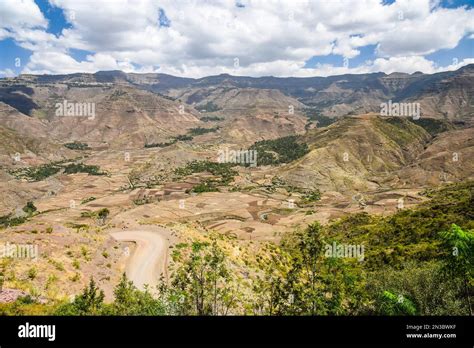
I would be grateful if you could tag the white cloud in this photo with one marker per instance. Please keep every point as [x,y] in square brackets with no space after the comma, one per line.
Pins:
[7,73]
[15,14]
[269,37]
[61,63]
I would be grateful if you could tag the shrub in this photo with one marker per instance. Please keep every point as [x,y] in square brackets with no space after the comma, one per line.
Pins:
[29,208]
[32,273]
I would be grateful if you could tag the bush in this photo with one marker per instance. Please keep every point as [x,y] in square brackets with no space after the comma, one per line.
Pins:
[90,302]
[29,208]
[32,273]
[130,301]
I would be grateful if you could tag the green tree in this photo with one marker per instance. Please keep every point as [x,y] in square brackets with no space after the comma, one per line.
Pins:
[292,282]
[90,302]
[301,281]
[422,282]
[102,215]
[306,263]
[131,301]
[459,263]
[202,283]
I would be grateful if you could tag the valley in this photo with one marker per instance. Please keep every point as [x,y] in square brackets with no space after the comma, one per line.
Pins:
[121,191]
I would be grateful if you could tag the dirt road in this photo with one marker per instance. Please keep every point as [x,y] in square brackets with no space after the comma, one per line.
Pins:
[148,261]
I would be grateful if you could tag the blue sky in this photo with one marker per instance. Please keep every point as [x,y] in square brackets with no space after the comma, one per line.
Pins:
[288,39]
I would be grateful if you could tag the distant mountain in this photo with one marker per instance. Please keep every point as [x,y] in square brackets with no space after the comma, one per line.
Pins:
[124,116]
[138,109]
[447,95]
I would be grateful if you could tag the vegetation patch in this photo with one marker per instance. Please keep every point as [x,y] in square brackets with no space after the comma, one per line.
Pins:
[200,130]
[87,200]
[11,220]
[183,137]
[315,117]
[83,168]
[77,146]
[206,186]
[211,119]
[100,215]
[209,107]
[44,171]
[222,170]
[281,150]
[433,126]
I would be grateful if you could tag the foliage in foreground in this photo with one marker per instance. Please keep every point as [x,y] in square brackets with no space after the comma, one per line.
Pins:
[430,274]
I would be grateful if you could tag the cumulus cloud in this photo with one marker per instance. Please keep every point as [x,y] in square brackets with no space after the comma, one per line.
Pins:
[264,37]
[16,14]
[7,73]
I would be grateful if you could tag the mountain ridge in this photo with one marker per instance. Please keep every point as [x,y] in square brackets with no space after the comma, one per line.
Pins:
[443,95]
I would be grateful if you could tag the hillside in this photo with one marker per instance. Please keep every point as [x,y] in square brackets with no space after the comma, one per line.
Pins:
[356,153]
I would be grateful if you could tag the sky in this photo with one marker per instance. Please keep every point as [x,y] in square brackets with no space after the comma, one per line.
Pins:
[196,38]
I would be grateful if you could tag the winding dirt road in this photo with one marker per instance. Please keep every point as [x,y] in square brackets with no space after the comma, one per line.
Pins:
[148,261]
